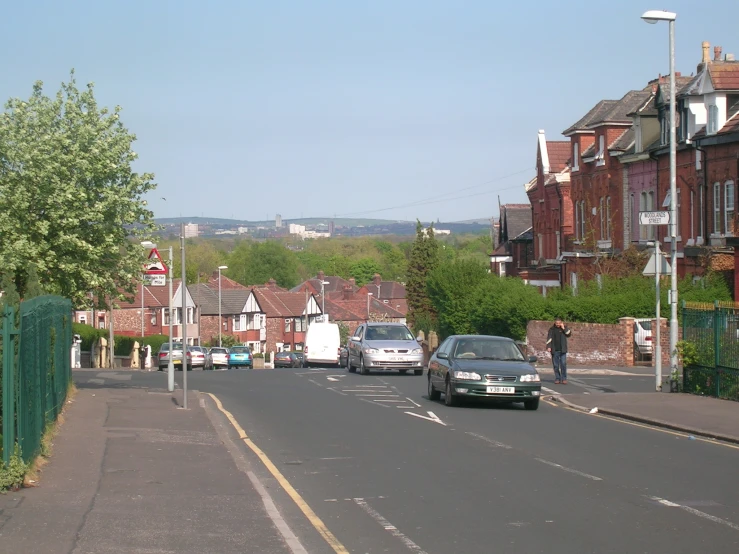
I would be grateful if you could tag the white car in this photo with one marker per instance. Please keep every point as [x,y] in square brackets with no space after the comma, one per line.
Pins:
[643,336]
[218,358]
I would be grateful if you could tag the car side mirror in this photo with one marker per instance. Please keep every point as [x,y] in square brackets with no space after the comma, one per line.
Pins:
[532,359]
[355,338]
[442,356]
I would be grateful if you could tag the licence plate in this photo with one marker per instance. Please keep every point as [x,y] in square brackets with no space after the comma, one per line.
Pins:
[395,359]
[501,390]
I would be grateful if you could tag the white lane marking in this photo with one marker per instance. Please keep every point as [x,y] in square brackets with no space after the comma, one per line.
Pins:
[338,458]
[371,386]
[550,391]
[569,469]
[315,382]
[334,390]
[490,441]
[405,407]
[331,379]
[431,417]
[378,395]
[695,512]
[385,524]
[412,402]
[364,390]
[388,400]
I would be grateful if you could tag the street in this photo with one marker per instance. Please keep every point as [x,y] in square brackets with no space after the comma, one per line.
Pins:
[384,469]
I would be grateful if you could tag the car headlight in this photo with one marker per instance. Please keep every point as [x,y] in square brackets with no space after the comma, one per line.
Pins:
[371,351]
[530,378]
[417,351]
[467,375]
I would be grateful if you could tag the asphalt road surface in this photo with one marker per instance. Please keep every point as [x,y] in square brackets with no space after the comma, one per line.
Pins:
[384,469]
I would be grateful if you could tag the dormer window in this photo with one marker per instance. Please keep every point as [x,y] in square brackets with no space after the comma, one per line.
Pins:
[664,130]
[576,157]
[712,120]
[600,157]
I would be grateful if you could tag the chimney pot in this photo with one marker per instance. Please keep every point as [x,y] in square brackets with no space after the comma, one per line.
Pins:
[348,292]
[377,279]
[729,57]
[716,53]
[705,46]
[320,275]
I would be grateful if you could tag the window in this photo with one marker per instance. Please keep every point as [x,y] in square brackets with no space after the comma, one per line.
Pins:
[577,220]
[729,207]
[664,130]
[712,120]
[701,214]
[717,208]
[299,324]
[559,246]
[288,325]
[643,229]
[608,218]
[602,218]
[83,319]
[576,157]
[692,215]
[239,323]
[541,246]
[582,219]
[677,214]
[601,150]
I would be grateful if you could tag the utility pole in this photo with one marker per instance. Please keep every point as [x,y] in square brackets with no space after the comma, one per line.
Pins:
[183,289]
[170,364]
[111,338]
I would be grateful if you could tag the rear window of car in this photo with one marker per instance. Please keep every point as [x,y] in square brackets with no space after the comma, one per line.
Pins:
[219,351]
[646,325]
[239,350]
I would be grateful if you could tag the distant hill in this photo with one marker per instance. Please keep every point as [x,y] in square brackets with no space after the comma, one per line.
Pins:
[339,222]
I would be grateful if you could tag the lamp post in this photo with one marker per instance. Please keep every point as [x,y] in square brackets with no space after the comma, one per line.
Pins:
[150,245]
[170,364]
[220,323]
[369,294]
[323,301]
[657,347]
[653,16]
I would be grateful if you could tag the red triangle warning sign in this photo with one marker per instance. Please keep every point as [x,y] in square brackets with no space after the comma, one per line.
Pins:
[155,265]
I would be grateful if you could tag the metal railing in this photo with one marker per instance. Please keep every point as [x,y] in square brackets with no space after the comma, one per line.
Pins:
[36,371]
[713,329]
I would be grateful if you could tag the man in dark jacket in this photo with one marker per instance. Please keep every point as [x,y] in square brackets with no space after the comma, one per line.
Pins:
[557,346]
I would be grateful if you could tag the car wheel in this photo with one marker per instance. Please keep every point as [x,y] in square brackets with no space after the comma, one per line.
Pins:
[349,366]
[433,393]
[417,372]
[363,368]
[531,404]
[449,398]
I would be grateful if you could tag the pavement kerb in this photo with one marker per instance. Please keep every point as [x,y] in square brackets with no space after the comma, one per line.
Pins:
[650,421]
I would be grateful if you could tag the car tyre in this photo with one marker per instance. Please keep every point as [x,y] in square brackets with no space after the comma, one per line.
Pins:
[363,369]
[417,372]
[531,404]
[349,366]
[433,393]
[449,398]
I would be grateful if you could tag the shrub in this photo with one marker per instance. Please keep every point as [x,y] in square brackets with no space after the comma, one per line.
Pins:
[88,334]
[124,344]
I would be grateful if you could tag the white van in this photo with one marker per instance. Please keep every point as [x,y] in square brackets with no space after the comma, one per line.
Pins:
[322,344]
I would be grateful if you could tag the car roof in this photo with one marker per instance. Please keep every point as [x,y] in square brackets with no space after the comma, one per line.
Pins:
[385,323]
[480,336]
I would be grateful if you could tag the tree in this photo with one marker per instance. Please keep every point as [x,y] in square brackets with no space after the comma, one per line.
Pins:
[364,270]
[424,257]
[450,288]
[69,200]
[255,263]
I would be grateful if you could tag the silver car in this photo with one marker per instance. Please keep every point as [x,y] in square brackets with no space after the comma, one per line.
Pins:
[163,356]
[385,346]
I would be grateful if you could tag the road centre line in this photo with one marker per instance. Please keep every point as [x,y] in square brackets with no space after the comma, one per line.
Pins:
[364,390]
[372,386]
[374,514]
[338,391]
[489,441]
[431,417]
[412,402]
[378,395]
[695,512]
[388,400]
[317,523]
[569,469]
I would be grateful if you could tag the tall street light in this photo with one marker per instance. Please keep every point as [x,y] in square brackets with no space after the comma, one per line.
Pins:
[323,301]
[170,364]
[220,323]
[150,245]
[653,16]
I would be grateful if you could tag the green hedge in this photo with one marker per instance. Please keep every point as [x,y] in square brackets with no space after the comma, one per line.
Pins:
[88,334]
[123,344]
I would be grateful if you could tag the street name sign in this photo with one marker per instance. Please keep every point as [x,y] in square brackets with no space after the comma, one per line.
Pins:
[654,218]
[155,280]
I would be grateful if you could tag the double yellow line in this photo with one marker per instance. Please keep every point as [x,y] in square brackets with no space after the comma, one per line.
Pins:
[327,535]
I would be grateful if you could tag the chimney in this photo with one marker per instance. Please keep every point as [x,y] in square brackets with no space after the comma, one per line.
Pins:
[348,292]
[271,283]
[376,279]
[353,281]
[729,58]
[320,276]
[716,53]
[705,59]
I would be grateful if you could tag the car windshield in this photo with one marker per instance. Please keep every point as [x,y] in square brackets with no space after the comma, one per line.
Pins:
[646,325]
[240,350]
[486,348]
[388,332]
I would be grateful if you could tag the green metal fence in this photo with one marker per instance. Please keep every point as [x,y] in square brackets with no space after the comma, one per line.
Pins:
[36,371]
[714,331]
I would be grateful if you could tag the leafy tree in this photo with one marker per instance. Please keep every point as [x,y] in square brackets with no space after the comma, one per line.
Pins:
[255,263]
[364,270]
[503,306]
[394,264]
[424,257]
[69,199]
[450,288]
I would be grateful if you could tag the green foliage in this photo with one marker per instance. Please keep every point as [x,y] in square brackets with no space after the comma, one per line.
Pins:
[124,344]
[258,355]
[424,257]
[255,263]
[88,334]
[687,352]
[364,270]
[343,332]
[13,473]
[503,306]
[450,288]
[69,199]
[227,341]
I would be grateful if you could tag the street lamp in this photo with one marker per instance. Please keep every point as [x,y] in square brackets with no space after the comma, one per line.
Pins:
[369,294]
[150,245]
[653,16]
[220,323]
[323,301]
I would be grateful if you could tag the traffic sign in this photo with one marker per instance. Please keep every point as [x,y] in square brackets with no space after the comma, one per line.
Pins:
[654,218]
[664,266]
[155,265]
[155,280]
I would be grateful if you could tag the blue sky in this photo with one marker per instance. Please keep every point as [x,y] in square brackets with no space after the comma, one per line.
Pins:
[398,109]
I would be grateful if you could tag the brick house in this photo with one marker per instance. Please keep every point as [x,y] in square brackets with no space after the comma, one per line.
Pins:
[515,248]
[390,293]
[353,308]
[283,316]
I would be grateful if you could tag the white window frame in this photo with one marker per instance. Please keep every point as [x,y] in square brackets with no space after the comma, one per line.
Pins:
[576,157]
[582,219]
[608,218]
[729,207]
[577,220]
[701,214]
[643,229]
[717,208]
[712,128]
[557,234]
[288,325]
[238,323]
[601,158]
[602,222]
[692,215]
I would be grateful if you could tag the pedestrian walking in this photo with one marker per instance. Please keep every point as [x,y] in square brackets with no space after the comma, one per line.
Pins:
[557,347]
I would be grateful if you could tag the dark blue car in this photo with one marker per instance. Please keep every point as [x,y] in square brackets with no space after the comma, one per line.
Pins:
[240,356]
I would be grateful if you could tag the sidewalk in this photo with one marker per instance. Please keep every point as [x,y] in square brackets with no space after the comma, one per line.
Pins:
[133,472]
[697,415]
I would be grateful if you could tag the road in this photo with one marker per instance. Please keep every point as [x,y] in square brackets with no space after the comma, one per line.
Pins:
[384,469]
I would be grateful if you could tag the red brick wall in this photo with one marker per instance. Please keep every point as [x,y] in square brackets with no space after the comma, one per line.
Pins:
[275,329]
[209,328]
[590,344]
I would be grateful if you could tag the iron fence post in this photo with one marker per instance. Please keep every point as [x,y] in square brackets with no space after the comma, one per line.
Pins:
[9,333]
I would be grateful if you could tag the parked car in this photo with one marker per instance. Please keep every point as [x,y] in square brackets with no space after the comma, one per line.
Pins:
[322,344]
[483,366]
[218,358]
[195,357]
[240,356]
[643,337]
[343,356]
[287,359]
[301,358]
[386,346]
[163,356]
